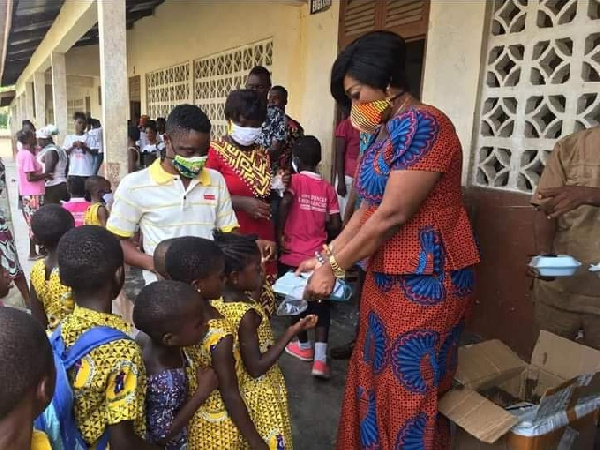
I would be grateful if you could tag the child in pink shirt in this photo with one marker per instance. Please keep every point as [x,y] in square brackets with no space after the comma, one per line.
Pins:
[77,205]
[309,216]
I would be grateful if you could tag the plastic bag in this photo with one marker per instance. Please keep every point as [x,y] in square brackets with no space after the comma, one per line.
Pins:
[293,303]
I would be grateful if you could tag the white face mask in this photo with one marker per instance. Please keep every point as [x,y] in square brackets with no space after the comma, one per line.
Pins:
[245,136]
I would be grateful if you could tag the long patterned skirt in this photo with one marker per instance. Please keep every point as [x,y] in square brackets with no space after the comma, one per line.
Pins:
[405,357]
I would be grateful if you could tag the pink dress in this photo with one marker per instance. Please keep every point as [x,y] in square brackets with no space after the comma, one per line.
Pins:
[77,207]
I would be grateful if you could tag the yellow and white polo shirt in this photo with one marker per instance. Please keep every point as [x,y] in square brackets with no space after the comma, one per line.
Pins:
[157,202]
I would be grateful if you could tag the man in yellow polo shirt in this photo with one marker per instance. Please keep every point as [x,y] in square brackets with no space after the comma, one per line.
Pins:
[176,196]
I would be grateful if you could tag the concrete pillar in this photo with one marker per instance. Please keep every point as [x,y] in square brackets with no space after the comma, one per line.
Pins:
[114,87]
[39,87]
[59,93]
[29,108]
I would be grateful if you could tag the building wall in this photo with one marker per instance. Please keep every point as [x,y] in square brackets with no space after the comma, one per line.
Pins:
[453,62]
[304,47]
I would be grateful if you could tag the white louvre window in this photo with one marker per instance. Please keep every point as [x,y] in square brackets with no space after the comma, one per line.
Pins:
[541,81]
[216,75]
[167,88]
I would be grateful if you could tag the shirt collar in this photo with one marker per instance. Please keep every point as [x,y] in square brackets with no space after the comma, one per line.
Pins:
[98,318]
[310,174]
[78,200]
[161,176]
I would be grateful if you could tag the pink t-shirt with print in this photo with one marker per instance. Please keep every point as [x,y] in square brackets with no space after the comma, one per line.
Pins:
[27,163]
[77,207]
[314,201]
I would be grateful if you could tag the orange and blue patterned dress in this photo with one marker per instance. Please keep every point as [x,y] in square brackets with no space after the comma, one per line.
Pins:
[416,295]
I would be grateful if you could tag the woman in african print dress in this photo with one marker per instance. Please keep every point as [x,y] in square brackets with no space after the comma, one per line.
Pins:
[246,167]
[413,227]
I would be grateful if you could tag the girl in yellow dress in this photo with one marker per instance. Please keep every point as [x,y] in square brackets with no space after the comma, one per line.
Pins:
[223,420]
[51,301]
[97,213]
[263,385]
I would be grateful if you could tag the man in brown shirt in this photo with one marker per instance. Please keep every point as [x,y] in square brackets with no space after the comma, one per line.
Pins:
[567,222]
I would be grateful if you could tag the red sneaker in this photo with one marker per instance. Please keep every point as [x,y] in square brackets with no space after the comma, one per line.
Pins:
[321,370]
[293,348]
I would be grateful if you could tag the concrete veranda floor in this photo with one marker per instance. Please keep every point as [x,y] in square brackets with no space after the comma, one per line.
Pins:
[314,404]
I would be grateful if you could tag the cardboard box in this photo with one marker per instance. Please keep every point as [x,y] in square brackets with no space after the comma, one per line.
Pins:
[501,402]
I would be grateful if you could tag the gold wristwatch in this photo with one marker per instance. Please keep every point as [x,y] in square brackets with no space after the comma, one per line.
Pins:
[338,272]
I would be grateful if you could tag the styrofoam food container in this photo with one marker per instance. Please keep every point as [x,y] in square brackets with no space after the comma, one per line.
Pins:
[555,266]
[595,268]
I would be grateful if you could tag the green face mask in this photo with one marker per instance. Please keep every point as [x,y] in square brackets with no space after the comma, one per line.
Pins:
[189,167]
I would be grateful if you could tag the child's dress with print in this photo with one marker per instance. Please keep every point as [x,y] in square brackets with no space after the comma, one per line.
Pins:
[265,396]
[212,428]
[166,394]
[56,298]
[91,214]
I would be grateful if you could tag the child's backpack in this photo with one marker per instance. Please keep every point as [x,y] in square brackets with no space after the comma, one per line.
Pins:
[58,419]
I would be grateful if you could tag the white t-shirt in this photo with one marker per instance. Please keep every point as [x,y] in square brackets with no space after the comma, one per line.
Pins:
[60,169]
[80,164]
[96,140]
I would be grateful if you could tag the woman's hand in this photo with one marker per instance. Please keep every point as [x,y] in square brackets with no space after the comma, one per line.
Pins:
[256,208]
[307,266]
[321,284]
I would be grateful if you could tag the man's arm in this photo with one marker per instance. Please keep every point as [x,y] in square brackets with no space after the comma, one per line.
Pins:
[543,233]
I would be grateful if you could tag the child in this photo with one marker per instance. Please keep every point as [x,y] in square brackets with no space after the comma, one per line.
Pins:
[223,421]
[51,301]
[263,382]
[309,217]
[171,316]
[109,384]
[28,373]
[97,214]
[160,253]
[77,205]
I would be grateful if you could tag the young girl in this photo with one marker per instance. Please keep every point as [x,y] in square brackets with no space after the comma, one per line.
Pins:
[263,383]
[171,315]
[223,421]
[309,216]
[77,205]
[97,214]
[51,301]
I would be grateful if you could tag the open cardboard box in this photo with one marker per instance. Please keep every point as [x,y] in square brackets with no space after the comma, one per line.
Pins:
[552,402]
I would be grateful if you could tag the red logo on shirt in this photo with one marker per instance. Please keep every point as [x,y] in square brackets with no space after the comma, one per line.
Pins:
[209,197]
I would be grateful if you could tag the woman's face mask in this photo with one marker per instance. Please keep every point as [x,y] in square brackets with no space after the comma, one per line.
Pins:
[366,117]
[245,136]
[189,167]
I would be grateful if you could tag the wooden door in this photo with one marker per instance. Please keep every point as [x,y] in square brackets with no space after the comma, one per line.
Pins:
[408,18]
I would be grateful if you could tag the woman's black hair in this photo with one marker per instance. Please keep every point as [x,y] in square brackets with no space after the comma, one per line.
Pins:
[191,258]
[78,115]
[152,125]
[238,250]
[162,307]
[50,223]
[88,258]
[25,135]
[133,133]
[377,59]
[308,149]
[245,103]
